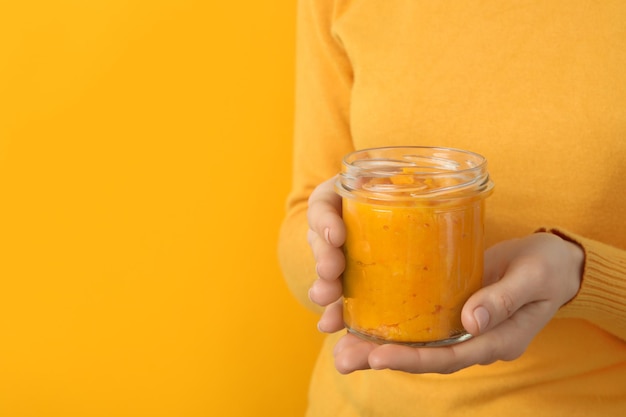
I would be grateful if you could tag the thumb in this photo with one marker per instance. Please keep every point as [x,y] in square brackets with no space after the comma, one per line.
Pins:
[495,303]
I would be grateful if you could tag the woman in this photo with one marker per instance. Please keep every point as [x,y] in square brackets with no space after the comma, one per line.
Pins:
[539,89]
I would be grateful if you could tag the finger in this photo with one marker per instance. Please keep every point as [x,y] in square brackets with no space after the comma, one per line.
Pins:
[516,333]
[495,303]
[417,360]
[442,360]
[332,318]
[351,353]
[509,340]
[324,292]
[505,342]
[330,260]
[344,341]
[324,213]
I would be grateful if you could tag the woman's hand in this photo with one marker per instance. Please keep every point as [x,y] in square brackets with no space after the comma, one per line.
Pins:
[326,236]
[526,281]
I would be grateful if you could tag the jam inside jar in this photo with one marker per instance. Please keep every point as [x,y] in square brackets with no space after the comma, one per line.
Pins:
[414,244]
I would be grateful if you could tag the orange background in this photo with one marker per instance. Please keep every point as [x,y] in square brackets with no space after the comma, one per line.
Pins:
[144,161]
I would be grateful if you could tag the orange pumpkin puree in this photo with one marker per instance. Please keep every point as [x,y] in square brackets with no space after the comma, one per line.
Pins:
[410,267]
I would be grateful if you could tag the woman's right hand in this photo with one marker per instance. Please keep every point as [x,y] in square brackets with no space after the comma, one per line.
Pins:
[326,236]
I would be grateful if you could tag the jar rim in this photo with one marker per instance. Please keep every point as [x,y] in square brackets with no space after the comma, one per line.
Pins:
[413,173]
[349,158]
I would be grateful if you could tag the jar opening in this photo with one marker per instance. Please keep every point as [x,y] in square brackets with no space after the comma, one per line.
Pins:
[414,173]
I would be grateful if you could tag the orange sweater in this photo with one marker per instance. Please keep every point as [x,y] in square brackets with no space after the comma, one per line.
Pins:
[539,88]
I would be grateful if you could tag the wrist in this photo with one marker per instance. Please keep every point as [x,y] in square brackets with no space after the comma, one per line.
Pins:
[577,256]
[575,263]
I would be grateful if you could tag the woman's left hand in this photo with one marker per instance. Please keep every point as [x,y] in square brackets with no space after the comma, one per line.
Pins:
[526,281]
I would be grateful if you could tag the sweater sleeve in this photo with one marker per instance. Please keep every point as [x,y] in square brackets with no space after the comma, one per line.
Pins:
[601,298]
[321,133]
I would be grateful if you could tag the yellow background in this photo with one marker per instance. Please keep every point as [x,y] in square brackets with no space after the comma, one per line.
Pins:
[144,161]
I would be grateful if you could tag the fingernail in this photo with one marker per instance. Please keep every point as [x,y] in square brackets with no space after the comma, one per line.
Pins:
[481,314]
[319,327]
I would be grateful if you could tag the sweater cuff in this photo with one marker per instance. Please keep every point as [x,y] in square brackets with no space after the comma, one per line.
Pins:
[601,298]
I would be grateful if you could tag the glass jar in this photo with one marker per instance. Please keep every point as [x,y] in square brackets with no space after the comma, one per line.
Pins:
[414,245]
